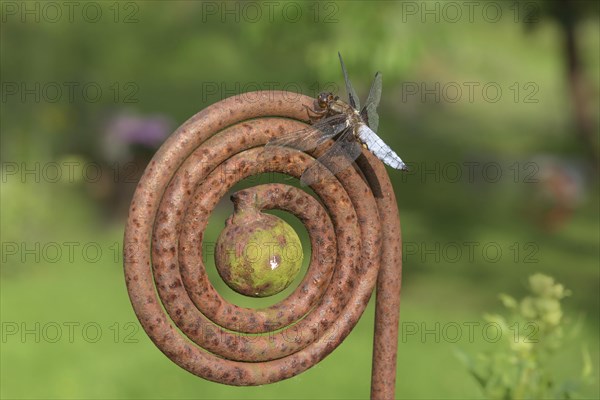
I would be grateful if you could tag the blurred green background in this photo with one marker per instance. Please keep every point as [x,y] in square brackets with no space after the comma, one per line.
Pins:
[494,105]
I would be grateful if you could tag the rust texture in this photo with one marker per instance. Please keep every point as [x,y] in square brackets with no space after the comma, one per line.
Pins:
[354,230]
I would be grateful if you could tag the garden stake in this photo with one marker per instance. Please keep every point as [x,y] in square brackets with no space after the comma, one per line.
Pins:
[355,238]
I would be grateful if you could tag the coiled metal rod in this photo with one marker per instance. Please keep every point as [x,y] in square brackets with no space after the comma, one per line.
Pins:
[355,238]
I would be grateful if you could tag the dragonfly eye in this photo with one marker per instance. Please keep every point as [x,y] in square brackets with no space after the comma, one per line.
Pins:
[323,99]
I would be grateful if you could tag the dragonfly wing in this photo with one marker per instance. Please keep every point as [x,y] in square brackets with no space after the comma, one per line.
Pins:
[312,136]
[336,159]
[369,112]
[370,116]
[354,102]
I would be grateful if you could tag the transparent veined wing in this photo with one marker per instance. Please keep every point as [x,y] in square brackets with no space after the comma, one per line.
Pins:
[337,158]
[369,111]
[312,136]
[354,102]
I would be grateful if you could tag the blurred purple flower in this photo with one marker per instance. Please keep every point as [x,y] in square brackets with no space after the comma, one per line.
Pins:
[126,130]
[149,131]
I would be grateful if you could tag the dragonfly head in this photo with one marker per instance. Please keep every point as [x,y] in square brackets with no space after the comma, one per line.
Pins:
[325,99]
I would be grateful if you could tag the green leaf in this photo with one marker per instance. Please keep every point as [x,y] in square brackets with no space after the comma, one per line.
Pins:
[508,301]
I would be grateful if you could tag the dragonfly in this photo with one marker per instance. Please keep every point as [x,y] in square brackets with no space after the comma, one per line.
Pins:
[350,128]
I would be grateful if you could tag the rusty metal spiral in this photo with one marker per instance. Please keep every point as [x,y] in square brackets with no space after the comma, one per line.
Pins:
[355,225]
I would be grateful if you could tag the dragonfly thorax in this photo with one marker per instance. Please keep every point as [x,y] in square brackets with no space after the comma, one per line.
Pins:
[333,105]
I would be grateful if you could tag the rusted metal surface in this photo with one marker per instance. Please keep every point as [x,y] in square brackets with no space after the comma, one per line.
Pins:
[355,239]
[387,309]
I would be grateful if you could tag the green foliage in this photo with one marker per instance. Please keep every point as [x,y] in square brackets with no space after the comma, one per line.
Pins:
[520,367]
[179,62]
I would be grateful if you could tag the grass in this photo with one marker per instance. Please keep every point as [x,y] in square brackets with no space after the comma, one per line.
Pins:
[123,363]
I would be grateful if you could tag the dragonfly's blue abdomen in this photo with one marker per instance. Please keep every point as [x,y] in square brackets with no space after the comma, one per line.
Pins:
[379,148]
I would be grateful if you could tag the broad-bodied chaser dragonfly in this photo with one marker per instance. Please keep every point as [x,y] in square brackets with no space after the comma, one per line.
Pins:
[347,126]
